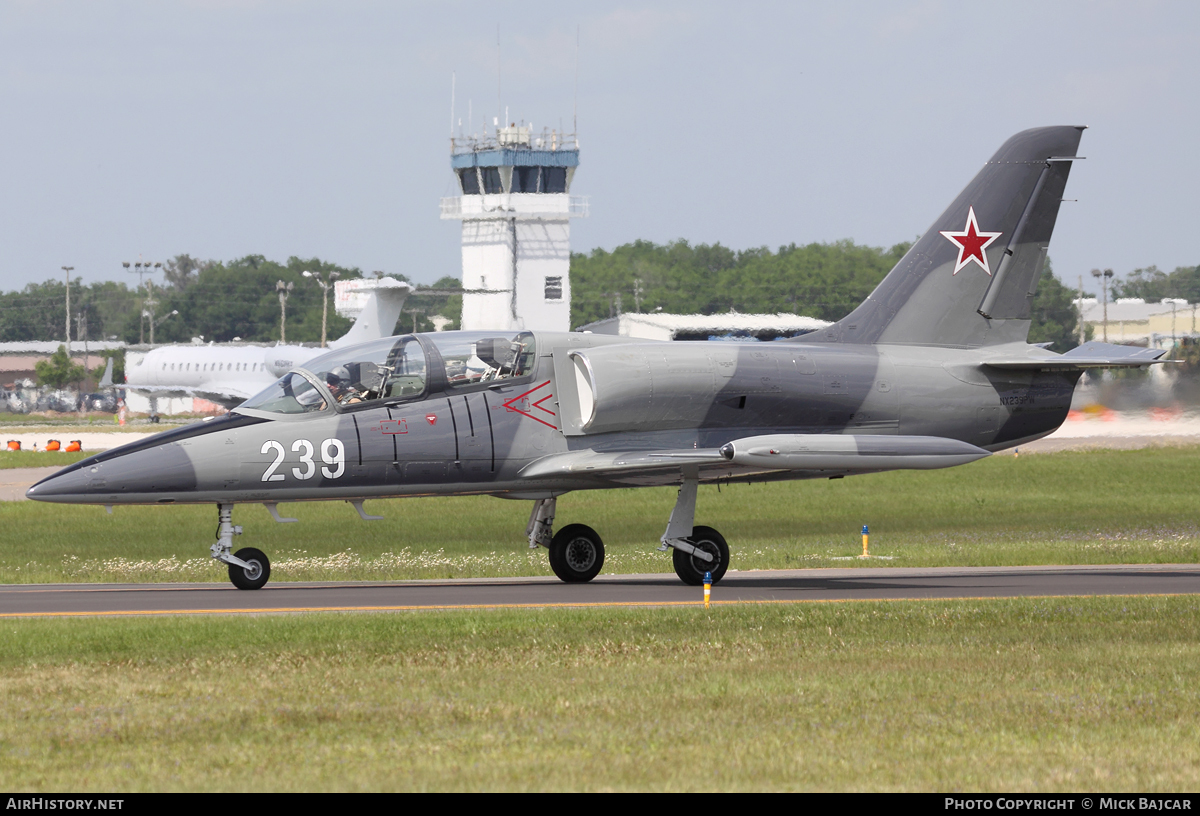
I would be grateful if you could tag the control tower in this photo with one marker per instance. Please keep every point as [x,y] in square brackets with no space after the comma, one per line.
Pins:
[516,209]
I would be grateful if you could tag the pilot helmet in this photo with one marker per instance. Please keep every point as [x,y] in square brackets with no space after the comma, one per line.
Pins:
[339,376]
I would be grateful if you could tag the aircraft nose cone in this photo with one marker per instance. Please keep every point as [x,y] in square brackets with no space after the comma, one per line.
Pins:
[61,487]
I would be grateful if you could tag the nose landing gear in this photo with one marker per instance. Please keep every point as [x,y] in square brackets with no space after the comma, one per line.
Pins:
[248,568]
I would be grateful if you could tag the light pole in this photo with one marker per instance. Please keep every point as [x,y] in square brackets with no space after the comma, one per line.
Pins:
[1107,276]
[325,286]
[141,268]
[68,269]
[284,290]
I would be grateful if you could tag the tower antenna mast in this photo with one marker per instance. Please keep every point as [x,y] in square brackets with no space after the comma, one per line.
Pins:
[453,79]
[575,112]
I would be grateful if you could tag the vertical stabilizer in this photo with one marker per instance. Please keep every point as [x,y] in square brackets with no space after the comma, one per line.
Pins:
[379,315]
[969,280]
[106,381]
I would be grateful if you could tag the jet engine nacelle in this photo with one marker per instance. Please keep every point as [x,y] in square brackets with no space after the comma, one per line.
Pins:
[643,387]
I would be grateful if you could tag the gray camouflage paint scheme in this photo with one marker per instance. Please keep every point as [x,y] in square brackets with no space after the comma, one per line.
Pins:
[934,360]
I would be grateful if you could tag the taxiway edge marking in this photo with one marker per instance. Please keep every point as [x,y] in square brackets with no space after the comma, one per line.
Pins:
[582,605]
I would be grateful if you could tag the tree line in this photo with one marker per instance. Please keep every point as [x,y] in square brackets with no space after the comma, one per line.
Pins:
[825,281]
[237,300]
[215,301]
[1152,284]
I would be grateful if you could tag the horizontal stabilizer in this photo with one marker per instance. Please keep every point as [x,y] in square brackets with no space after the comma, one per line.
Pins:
[1089,355]
[850,453]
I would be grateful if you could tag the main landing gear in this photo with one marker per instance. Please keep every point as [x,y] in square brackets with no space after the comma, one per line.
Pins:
[577,553]
[248,568]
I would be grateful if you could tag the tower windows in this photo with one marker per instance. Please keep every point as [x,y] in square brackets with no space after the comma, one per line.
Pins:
[491,180]
[554,287]
[470,181]
[554,179]
[525,179]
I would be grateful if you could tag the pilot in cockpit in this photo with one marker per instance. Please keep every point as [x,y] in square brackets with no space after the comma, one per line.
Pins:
[339,384]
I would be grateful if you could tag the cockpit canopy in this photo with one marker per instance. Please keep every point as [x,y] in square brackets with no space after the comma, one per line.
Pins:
[397,369]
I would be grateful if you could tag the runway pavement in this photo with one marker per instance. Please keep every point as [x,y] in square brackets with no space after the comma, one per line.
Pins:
[775,586]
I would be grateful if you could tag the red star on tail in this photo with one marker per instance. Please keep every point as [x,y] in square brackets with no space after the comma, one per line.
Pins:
[972,243]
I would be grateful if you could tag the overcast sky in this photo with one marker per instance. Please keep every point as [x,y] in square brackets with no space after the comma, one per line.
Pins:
[222,129]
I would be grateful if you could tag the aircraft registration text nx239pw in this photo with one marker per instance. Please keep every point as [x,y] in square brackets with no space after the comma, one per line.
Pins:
[932,370]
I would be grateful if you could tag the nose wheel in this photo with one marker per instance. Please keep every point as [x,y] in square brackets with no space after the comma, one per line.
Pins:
[256,572]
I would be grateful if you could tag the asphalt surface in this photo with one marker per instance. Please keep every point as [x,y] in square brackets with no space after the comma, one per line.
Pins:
[776,586]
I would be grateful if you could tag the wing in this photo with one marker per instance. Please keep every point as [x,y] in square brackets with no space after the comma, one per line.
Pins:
[228,396]
[801,456]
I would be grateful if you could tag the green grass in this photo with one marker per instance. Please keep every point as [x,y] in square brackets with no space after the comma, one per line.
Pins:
[36,459]
[1095,694]
[1096,507]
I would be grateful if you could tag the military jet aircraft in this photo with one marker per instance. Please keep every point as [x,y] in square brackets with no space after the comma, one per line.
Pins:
[932,370]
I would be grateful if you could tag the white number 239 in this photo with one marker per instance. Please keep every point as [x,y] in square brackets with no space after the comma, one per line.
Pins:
[333,454]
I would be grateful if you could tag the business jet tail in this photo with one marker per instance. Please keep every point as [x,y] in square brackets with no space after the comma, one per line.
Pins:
[379,315]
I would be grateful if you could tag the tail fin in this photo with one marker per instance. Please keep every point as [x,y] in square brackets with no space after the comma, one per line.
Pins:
[106,381]
[379,315]
[969,280]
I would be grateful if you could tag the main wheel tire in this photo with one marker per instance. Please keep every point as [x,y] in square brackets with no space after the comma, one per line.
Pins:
[691,569]
[576,554]
[254,578]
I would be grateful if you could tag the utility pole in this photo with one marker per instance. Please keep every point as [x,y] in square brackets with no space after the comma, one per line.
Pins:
[1083,329]
[325,285]
[81,333]
[284,290]
[148,304]
[155,323]
[1104,277]
[414,313]
[638,291]
[68,269]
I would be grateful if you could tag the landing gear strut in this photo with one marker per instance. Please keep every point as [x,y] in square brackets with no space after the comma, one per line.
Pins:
[248,568]
[696,550]
[577,553]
